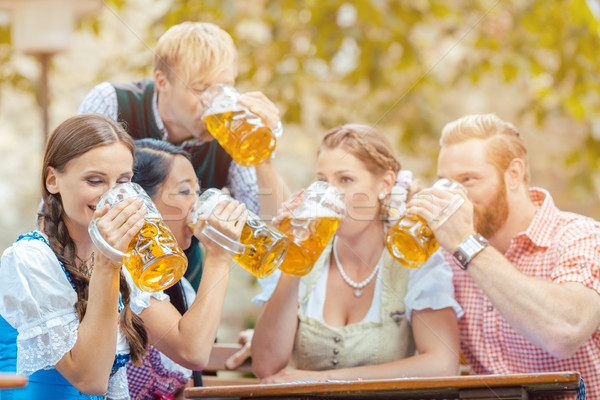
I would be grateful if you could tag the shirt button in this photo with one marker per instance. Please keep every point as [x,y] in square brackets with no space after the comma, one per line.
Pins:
[490,308]
[336,351]
[334,362]
[495,358]
[336,339]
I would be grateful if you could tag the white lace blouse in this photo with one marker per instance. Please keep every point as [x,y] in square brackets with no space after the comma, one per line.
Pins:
[37,299]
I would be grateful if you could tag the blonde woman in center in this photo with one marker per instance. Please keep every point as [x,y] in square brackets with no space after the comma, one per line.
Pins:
[359,313]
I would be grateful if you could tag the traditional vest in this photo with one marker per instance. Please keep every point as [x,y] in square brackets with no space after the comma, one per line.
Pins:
[209,159]
[320,347]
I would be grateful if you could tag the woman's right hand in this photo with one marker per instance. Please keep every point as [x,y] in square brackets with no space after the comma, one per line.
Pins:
[229,218]
[287,208]
[119,225]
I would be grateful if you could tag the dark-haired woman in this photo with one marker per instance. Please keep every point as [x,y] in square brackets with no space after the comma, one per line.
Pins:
[66,310]
[165,172]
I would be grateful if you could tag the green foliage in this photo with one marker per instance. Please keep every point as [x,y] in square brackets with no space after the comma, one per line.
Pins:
[386,62]
[549,49]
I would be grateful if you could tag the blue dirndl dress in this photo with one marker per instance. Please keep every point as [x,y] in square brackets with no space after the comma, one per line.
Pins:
[46,382]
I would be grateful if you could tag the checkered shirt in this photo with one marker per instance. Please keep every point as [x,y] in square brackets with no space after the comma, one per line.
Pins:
[241,181]
[153,379]
[558,246]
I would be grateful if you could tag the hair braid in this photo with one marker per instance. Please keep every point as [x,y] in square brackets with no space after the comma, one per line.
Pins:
[71,139]
[367,144]
[63,246]
[132,326]
[385,162]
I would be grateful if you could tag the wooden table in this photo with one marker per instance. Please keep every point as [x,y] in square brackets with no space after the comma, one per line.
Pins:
[514,386]
[11,381]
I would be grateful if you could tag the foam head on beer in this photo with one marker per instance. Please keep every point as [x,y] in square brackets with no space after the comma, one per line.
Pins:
[311,226]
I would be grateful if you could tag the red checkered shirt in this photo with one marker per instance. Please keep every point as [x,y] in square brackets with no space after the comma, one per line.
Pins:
[558,246]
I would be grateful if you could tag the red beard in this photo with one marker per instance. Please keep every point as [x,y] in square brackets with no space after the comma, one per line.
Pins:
[490,218]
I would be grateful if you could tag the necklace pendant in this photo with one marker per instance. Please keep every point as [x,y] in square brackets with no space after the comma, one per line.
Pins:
[358,292]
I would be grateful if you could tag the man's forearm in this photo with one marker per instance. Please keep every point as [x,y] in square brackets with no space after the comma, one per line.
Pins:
[556,317]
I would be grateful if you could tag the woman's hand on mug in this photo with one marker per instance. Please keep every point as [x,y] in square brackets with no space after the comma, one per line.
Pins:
[119,225]
[229,218]
[287,208]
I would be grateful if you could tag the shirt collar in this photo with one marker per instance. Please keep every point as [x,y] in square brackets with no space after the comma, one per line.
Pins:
[546,214]
[159,122]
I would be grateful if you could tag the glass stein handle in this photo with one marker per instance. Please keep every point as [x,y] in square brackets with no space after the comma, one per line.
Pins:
[446,212]
[222,240]
[102,245]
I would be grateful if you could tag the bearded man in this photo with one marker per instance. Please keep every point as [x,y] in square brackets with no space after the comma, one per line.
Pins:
[526,274]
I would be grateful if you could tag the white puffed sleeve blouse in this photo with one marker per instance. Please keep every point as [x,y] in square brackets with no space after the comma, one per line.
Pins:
[37,299]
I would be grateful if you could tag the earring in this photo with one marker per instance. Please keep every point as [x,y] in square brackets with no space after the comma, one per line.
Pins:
[381,196]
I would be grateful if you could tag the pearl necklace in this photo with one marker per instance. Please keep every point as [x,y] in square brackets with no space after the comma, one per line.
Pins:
[357,286]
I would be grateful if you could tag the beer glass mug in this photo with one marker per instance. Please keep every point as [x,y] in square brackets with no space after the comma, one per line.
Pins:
[311,226]
[262,247]
[153,258]
[243,134]
[410,240]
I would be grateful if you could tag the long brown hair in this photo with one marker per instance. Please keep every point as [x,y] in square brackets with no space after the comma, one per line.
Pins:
[71,139]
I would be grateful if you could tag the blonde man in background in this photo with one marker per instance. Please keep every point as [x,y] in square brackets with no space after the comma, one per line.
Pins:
[188,59]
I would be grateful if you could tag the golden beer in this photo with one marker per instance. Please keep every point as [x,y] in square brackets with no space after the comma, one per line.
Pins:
[243,135]
[309,237]
[265,248]
[261,247]
[154,259]
[411,241]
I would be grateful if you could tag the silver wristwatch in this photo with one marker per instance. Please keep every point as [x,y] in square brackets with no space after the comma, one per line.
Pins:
[469,248]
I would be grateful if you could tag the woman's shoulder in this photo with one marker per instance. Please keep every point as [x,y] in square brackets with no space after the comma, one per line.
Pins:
[393,271]
[29,250]
[31,264]
[34,285]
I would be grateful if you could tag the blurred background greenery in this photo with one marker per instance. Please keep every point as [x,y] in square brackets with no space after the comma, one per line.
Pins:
[405,66]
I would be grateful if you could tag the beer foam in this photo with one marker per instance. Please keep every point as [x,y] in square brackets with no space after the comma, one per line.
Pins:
[209,199]
[225,100]
[314,209]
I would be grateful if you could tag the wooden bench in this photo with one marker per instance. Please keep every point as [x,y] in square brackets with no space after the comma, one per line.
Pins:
[468,387]
[224,376]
